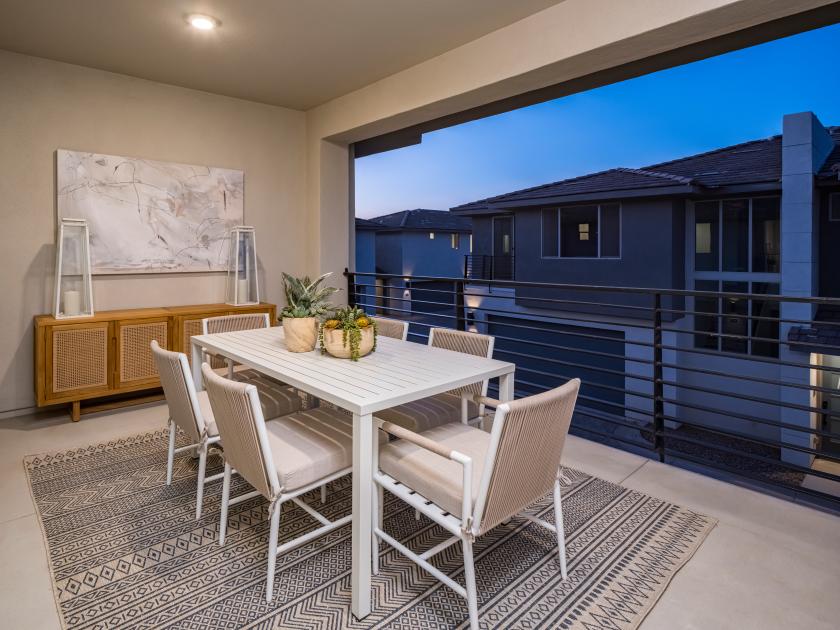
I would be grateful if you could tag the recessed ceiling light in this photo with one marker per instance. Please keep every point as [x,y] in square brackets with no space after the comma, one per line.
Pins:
[202,22]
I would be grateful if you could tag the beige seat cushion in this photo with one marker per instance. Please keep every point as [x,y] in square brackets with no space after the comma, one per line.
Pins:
[309,445]
[427,413]
[435,477]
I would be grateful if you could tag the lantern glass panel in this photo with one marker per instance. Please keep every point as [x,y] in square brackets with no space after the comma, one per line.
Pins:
[73,288]
[242,285]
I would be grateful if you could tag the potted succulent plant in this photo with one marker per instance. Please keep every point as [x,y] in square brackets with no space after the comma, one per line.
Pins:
[306,301]
[348,334]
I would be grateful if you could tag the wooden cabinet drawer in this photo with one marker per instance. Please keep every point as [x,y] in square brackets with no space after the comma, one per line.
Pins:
[134,365]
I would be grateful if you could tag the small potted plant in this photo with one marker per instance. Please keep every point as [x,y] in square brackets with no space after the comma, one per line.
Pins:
[348,334]
[306,301]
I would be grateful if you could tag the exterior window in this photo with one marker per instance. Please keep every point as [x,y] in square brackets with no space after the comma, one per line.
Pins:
[455,240]
[582,232]
[834,206]
[431,236]
[470,243]
[734,324]
[765,235]
[737,235]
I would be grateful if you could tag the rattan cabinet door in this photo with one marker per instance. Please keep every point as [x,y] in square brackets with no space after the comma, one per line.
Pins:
[134,364]
[76,361]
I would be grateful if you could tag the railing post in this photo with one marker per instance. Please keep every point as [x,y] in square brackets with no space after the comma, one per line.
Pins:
[460,315]
[466,266]
[351,287]
[658,386]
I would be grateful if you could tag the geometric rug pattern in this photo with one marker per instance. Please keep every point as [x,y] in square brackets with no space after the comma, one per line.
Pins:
[125,551]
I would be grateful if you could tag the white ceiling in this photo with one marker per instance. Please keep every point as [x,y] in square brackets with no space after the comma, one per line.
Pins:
[295,53]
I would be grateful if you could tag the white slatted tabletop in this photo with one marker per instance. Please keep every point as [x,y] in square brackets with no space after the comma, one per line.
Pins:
[398,372]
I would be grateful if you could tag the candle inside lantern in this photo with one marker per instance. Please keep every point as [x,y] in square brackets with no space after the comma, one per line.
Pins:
[243,291]
[72,302]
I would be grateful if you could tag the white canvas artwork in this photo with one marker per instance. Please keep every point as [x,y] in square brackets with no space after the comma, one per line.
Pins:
[151,217]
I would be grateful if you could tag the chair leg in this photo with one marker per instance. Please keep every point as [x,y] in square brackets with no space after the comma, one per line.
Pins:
[561,534]
[376,519]
[469,579]
[170,458]
[223,518]
[272,550]
[381,499]
[324,493]
[202,466]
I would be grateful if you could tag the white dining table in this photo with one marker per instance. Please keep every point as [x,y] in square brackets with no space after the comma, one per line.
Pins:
[397,372]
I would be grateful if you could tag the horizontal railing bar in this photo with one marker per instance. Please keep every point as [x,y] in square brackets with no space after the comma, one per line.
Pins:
[754,440]
[726,413]
[747,357]
[755,399]
[753,456]
[560,317]
[599,401]
[586,383]
[569,363]
[795,490]
[614,289]
[745,377]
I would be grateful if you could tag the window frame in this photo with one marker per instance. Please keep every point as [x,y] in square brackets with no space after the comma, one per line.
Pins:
[455,240]
[558,210]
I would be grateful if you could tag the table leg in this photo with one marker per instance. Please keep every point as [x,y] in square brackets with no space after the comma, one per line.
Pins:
[362,506]
[197,358]
[506,387]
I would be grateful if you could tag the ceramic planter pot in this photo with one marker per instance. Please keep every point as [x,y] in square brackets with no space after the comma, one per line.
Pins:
[334,343]
[301,333]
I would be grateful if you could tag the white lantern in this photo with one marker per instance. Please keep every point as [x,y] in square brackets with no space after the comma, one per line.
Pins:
[242,282]
[73,286]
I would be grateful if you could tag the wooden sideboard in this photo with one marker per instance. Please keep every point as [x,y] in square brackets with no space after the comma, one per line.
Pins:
[109,354]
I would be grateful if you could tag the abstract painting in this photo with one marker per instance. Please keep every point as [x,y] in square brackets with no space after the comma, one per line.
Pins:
[150,217]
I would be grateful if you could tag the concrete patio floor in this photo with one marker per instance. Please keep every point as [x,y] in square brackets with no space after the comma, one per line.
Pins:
[768,564]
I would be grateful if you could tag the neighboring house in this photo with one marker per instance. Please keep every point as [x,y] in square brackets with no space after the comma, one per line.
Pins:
[420,243]
[760,217]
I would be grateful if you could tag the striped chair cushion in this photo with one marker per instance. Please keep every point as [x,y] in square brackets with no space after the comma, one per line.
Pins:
[276,398]
[427,413]
[309,445]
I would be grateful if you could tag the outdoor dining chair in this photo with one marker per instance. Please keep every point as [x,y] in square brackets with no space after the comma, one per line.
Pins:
[434,411]
[281,459]
[468,481]
[394,328]
[232,323]
[190,411]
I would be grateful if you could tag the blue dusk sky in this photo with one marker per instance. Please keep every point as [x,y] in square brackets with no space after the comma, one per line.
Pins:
[701,106]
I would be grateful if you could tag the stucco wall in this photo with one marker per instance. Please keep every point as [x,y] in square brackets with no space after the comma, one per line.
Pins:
[45,105]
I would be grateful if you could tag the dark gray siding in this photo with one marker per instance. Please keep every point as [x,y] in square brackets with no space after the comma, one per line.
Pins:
[652,255]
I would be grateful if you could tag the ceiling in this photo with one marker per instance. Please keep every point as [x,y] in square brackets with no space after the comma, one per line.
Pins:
[294,53]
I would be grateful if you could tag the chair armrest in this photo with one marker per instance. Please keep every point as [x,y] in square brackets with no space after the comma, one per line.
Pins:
[416,438]
[482,400]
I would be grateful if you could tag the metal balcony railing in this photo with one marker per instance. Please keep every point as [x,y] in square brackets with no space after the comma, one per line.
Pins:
[743,386]
[486,267]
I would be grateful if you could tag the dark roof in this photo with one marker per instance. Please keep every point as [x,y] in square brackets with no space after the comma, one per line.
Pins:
[424,220]
[748,163]
[364,224]
[822,336]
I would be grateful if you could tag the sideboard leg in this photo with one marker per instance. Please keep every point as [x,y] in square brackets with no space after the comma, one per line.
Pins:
[75,410]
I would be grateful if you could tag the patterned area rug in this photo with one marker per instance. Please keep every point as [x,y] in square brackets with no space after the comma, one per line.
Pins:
[126,552]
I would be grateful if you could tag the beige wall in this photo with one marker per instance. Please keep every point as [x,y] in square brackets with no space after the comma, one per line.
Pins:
[46,105]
